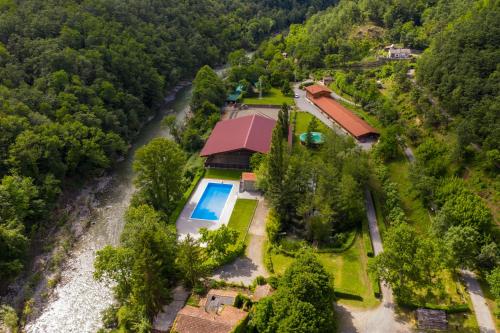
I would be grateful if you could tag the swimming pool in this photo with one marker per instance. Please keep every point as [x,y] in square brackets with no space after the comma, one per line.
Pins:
[212,202]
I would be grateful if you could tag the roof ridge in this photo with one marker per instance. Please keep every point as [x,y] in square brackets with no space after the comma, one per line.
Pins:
[245,144]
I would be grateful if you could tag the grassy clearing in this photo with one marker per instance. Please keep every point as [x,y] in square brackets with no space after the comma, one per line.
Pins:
[242,215]
[303,120]
[223,174]
[273,97]
[349,270]
[415,211]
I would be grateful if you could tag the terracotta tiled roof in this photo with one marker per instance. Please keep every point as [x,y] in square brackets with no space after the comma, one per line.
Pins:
[356,126]
[316,88]
[252,133]
[248,176]
[196,320]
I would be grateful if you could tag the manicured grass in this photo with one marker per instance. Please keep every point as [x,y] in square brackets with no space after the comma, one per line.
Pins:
[223,174]
[303,120]
[414,208]
[349,270]
[242,216]
[273,97]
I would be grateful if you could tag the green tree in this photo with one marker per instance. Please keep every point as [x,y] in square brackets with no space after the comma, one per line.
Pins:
[408,263]
[387,147]
[220,243]
[170,122]
[208,87]
[142,267]
[159,168]
[311,127]
[303,302]
[276,166]
[284,119]
[493,279]
[463,244]
[190,260]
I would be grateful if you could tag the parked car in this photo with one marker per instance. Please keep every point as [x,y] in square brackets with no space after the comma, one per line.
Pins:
[296,96]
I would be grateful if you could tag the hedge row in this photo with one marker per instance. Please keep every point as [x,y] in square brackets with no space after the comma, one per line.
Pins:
[375,280]
[457,308]
[268,262]
[367,239]
[347,245]
[185,197]
[339,293]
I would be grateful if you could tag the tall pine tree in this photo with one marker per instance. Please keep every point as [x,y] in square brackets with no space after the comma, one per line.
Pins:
[276,169]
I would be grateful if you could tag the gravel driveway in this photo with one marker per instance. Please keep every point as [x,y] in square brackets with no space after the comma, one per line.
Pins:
[245,269]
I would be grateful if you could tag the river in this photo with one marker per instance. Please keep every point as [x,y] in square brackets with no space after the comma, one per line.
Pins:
[78,300]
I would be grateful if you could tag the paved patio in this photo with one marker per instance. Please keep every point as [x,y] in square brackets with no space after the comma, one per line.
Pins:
[187,225]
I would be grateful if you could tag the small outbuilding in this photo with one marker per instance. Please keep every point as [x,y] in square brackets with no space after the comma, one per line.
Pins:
[248,180]
[399,53]
[215,314]
[428,319]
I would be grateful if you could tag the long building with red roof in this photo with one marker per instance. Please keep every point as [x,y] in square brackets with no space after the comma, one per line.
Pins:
[358,128]
[234,141]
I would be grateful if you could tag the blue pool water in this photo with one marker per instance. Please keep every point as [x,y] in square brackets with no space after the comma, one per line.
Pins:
[212,202]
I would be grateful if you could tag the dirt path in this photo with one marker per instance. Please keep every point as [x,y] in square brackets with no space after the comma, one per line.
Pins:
[483,314]
[246,269]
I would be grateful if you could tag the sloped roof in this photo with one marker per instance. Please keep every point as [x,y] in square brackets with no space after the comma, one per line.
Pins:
[251,133]
[356,126]
[316,88]
[196,320]
[249,176]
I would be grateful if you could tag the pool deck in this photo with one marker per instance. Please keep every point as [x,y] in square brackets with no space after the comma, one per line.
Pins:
[186,225]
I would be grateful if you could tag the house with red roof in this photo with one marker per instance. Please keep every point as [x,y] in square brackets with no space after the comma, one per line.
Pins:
[352,124]
[215,314]
[234,141]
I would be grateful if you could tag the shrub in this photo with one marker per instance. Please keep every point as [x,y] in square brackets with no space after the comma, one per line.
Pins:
[185,197]
[260,280]
[109,317]
[268,262]
[367,239]
[273,226]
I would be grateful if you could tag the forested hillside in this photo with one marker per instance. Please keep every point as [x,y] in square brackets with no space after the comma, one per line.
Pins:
[79,78]
[435,170]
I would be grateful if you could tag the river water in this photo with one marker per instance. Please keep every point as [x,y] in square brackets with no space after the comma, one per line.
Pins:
[78,300]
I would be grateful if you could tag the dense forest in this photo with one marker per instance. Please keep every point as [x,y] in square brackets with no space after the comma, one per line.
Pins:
[78,79]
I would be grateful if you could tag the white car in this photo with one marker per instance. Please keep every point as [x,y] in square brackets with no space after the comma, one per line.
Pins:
[297,96]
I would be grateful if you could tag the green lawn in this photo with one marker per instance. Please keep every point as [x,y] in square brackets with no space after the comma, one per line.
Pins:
[303,120]
[223,174]
[273,97]
[349,270]
[242,215]
[414,208]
